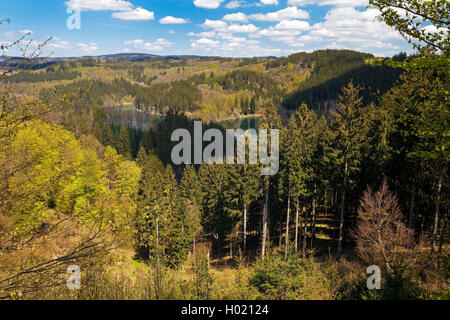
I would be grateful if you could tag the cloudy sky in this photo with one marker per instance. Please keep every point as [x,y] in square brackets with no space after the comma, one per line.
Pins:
[234,28]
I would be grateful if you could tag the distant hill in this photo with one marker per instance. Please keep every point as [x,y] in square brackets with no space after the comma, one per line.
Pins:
[333,69]
[212,88]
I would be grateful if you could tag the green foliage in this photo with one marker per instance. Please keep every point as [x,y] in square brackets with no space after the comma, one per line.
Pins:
[203,280]
[28,76]
[333,69]
[176,96]
[423,23]
[94,93]
[294,278]
[349,129]
[163,232]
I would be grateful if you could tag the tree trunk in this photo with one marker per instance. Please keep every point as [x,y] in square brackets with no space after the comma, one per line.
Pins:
[231,245]
[157,242]
[264,222]
[341,221]
[280,232]
[411,212]
[313,217]
[305,230]
[341,227]
[245,228]
[442,233]
[287,222]
[436,216]
[296,228]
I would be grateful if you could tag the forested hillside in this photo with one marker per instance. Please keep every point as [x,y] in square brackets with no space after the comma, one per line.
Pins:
[213,88]
[87,177]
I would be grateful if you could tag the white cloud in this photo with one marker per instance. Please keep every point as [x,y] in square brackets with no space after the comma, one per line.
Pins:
[234,46]
[221,26]
[26,31]
[234,4]
[348,28]
[240,28]
[10,35]
[100,5]
[285,31]
[236,17]
[208,4]
[205,42]
[137,14]
[349,23]
[336,3]
[431,29]
[125,10]
[87,48]
[173,20]
[207,34]
[159,45]
[213,24]
[292,25]
[14,35]
[268,2]
[288,13]
[60,44]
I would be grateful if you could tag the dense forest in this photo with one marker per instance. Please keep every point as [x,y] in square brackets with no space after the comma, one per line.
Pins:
[217,88]
[363,177]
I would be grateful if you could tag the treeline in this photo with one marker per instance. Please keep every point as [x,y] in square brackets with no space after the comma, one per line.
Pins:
[332,69]
[346,59]
[181,95]
[94,92]
[256,82]
[321,90]
[137,73]
[48,75]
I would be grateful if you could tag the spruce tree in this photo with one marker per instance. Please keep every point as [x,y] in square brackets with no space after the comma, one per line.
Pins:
[348,129]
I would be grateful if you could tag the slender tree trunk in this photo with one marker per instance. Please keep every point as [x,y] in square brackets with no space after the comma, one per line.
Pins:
[231,245]
[341,221]
[442,233]
[305,231]
[245,228]
[313,218]
[411,212]
[264,222]
[436,216]
[280,232]
[341,227]
[193,248]
[287,222]
[157,242]
[296,228]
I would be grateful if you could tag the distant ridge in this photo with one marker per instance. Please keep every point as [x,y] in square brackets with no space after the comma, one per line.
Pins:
[40,63]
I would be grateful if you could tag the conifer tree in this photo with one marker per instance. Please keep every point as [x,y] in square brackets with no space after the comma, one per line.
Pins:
[420,110]
[124,143]
[349,135]
[271,121]
[191,192]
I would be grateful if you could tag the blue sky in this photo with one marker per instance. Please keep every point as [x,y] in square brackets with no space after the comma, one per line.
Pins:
[236,28]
